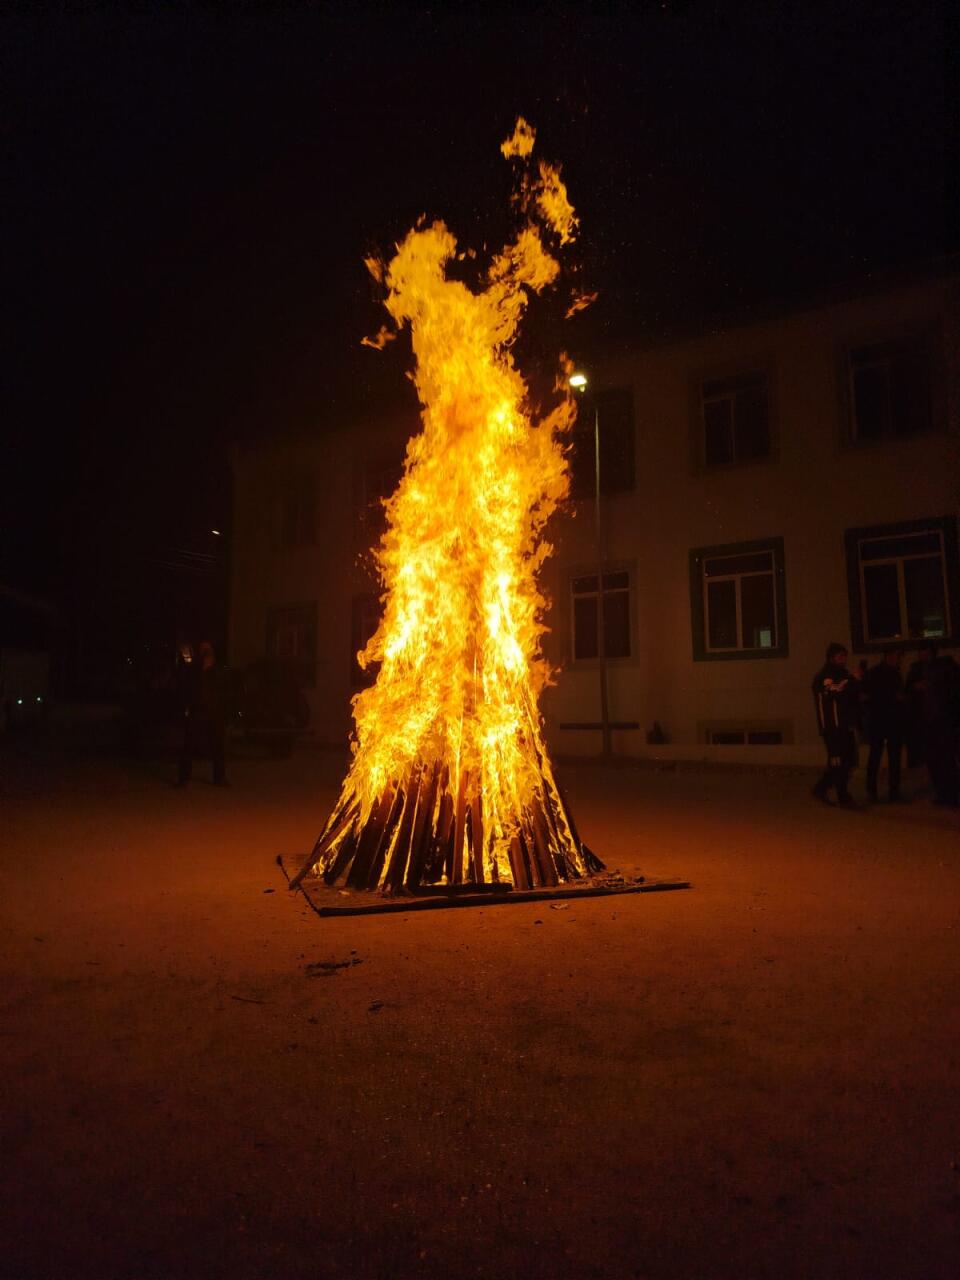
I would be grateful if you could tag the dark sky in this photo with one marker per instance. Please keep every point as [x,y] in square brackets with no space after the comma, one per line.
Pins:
[188,196]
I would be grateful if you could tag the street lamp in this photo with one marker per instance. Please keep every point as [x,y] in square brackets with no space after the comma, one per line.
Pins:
[578,381]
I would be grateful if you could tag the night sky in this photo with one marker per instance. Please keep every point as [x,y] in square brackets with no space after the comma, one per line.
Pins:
[188,197]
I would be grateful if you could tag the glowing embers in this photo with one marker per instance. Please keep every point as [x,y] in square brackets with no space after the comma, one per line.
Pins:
[450,782]
[426,832]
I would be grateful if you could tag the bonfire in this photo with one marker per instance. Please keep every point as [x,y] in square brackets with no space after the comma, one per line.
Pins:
[450,782]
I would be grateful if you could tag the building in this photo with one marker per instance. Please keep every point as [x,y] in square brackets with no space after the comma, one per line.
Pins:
[765,488]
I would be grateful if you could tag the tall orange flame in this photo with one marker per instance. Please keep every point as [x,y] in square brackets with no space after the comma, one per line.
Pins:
[450,771]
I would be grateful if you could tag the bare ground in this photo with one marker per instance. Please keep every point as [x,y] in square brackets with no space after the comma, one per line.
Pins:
[754,1078]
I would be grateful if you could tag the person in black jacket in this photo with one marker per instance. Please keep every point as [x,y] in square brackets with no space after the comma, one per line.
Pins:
[203,699]
[886,717]
[836,696]
[933,685]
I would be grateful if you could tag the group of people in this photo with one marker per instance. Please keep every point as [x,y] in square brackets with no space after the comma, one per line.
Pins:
[919,713]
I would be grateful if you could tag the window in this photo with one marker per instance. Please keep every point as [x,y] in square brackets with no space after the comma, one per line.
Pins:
[889,390]
[364,620]
[616,616]
[745,737]
[735,419]
[738,601]
[614,412]
[903,582]
[292,638]
[298,512]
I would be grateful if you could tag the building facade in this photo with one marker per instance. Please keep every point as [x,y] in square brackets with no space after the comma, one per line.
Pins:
[764,489]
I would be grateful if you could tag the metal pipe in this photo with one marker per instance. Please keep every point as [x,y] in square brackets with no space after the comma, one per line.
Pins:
[601,626]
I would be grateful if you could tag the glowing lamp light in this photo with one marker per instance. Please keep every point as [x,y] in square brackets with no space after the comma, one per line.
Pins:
[578,381]
[215,532]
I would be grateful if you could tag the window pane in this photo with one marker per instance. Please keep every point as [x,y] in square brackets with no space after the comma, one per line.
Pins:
[585,627]
[718,432]
[910,544]
[870,401]
[616,440]
[926,606]
[581,585]
[752,434]
[721,566]
[722,615]
[909,391]
[616,624]
[882,603]
[614,582]
[727,737]
[757,612]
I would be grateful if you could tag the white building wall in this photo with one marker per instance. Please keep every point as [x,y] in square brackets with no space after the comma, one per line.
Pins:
[813,488]
[809,492]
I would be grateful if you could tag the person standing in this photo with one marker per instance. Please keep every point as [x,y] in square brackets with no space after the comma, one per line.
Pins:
[204,715]
[836,696]
[934,687]
[886,717]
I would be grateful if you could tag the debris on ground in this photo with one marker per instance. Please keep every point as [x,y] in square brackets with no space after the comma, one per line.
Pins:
[329,968]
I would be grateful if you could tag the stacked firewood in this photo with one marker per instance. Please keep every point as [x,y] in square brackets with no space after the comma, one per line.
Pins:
[426,832]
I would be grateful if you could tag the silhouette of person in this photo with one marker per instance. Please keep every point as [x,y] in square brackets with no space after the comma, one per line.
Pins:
[886,717]
[836,696]
[933,684]
[203,703]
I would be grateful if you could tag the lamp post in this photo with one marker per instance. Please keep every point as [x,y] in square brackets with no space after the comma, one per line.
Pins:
[579,382]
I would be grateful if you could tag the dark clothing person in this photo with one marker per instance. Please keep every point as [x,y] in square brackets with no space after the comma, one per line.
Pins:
[836,696]
[204,718]
[886,715]
[934,687]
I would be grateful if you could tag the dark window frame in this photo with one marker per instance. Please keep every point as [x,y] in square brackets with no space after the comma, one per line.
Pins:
[853,538]
[297,512]
[884,346]
[698,613]
[710,389]
[609,570]
[618,445]
[305,663]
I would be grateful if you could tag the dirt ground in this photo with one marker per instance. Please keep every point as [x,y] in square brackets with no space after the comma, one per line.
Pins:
[757,1077]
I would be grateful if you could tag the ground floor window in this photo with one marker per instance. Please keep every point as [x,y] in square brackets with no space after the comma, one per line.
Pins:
[903,582]
[745,737]
[292,638]
[616,615]
[738,600]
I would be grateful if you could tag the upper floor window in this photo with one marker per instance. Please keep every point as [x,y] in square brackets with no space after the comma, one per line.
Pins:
[734,419]
[738,601]
[903,582]
[298,512]
[616,615]
[889,390]
[612,413]
[292,638]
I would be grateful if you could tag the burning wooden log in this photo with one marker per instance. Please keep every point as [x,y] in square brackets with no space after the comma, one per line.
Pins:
[421,834]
